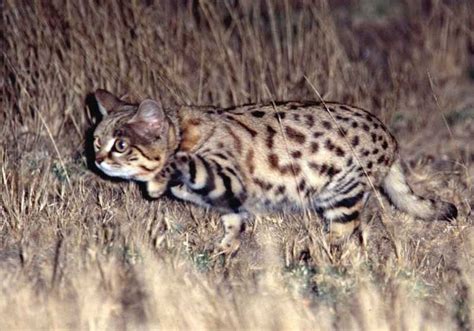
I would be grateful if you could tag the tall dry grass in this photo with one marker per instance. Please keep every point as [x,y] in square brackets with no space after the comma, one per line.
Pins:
[80,252]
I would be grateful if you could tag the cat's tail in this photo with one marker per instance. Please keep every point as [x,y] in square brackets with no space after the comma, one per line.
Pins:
[402,197]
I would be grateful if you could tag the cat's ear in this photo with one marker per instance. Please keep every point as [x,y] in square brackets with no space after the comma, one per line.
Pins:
[107,102]
[150,118]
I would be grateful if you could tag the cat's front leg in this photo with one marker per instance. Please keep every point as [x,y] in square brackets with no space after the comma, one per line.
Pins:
[157,186]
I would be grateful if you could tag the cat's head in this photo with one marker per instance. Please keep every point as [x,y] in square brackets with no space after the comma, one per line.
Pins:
[132,141]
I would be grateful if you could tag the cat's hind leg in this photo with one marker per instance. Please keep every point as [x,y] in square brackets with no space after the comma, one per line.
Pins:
[340,207]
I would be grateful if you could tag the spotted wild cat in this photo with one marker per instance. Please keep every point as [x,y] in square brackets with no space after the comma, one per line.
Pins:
[259,158]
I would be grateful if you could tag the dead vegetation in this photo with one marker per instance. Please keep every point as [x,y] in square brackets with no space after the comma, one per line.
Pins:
[81,252]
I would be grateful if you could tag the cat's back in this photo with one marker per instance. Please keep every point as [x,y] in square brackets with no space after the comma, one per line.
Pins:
[286,150]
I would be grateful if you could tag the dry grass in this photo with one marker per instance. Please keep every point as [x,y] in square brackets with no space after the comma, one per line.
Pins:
[80,252]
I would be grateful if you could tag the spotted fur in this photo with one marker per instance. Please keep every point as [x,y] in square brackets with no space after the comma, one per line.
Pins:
[258,158]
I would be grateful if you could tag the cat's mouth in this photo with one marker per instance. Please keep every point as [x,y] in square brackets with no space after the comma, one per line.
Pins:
[115,171]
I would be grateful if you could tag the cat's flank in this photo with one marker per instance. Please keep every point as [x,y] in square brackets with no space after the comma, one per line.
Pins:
[259,158]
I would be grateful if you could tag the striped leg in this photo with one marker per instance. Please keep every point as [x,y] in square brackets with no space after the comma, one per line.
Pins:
[217,184]
[212,181]
[340,206]
[158,185]
[185,193]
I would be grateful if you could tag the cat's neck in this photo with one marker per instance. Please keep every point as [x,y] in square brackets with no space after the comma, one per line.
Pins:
[195,128]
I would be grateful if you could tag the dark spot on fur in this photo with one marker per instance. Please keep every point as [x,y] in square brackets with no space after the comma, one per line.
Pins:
[280,115]
[314,147]
[263,184]
[340,152]
[327,125]
[273,160]
[249,161]
[355,141]
[296,154]
[313,165]
[294,168]
[280,189]
[323,169]
[342,132]
[384,144]
[329,145]
[295,135]
[374,137]
[309,120]
[332,171]
[365,152]
[369,165]
[381,159]
[258,114]
[365,127]
[355,125]
[349,162]
[271,132]
[302,185]
[296,117]
[231,171]
[221,156]
[317,134]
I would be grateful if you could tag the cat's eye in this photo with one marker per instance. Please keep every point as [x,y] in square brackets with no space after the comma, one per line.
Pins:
[120,145]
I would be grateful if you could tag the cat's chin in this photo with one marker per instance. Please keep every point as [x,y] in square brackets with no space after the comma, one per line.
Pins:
[114,172]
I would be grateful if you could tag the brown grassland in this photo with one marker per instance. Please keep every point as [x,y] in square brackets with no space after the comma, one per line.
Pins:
[78,251]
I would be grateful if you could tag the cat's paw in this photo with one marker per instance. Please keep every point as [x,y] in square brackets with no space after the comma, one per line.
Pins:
[228,245]
[156,189]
